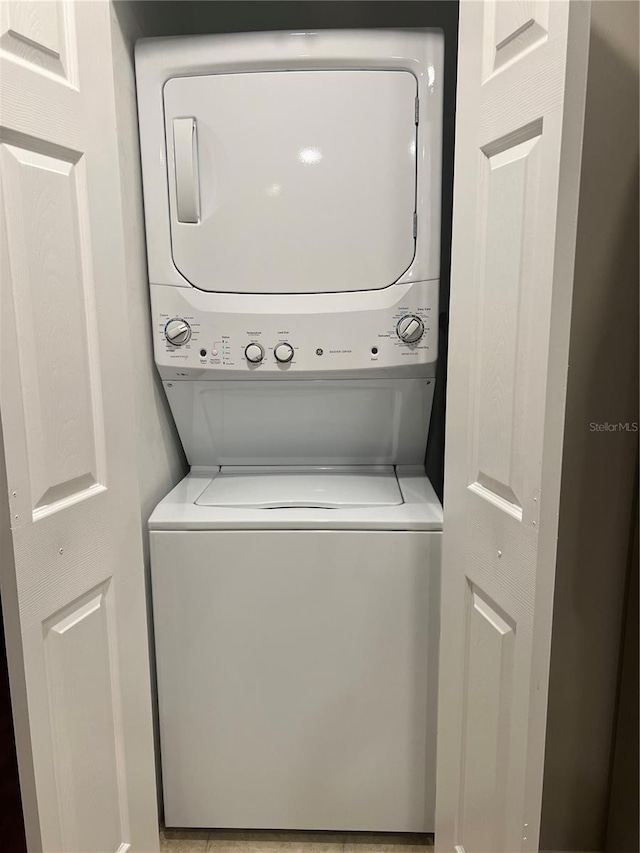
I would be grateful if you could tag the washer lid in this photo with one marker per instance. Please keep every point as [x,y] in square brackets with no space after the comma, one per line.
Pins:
[282,487]
[292,181]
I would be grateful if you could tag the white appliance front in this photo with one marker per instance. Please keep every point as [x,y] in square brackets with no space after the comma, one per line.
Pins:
[306,180]
[297,675]
[322,422]
[292,163]
[292,207]
[392,333]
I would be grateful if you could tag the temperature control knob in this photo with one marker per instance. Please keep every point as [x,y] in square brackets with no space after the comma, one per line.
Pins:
[177,332]
[254,353]
[283,353]
[410,329]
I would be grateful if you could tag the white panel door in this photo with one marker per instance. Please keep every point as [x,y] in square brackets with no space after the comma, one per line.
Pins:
[72,573]
[520,110]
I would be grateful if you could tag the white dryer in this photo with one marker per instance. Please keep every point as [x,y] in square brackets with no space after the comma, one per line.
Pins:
[292,205]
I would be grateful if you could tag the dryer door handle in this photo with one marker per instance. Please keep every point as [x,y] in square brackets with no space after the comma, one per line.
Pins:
[185,157]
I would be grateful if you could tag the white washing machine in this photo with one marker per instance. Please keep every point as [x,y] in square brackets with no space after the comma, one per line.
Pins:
[292,204]
[297,625]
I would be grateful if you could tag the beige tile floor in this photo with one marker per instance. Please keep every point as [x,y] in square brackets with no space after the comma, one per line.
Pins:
[236,841]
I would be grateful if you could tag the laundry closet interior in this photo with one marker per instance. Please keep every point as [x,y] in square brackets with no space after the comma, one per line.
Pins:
[295,572]
[402,798]
[236,491]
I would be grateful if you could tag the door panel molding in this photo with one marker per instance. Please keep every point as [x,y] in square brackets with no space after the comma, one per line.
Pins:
[41,36]
[519,123]
[83,685]
[73,590]
[49,246]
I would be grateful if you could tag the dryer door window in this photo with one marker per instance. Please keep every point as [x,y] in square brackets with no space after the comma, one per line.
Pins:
[292,181]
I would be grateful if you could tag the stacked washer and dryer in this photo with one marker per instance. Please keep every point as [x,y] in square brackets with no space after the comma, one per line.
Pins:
[292,205]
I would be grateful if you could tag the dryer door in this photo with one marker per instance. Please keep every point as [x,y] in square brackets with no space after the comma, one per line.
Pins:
[292,181]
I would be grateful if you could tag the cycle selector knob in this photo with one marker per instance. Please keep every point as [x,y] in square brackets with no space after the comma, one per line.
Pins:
[254,353]
[177,332]
[410,329]
[283,353]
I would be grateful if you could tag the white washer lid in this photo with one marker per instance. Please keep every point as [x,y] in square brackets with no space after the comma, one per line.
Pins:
[301,486]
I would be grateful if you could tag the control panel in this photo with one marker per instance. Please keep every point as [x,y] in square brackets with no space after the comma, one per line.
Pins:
[398,334]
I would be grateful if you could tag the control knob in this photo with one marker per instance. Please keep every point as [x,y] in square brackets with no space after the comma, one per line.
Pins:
[177,332]
[283,353]
[254,353]
[410,329]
